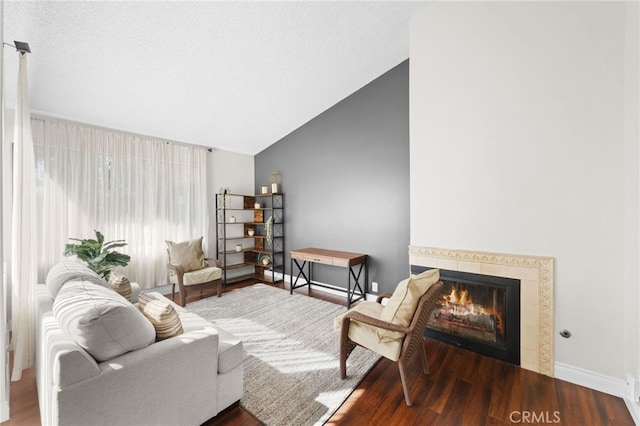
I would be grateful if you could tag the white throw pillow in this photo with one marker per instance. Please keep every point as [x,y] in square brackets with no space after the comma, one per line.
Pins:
[63,272]
[101,321]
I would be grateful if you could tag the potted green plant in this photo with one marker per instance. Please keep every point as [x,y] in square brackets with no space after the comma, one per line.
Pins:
[101,257]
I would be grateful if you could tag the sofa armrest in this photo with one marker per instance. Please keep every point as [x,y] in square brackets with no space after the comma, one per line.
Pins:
[66,362]
[185,365]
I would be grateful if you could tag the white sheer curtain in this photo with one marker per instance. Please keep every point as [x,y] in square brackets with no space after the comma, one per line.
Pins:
[133,188]
[23,232]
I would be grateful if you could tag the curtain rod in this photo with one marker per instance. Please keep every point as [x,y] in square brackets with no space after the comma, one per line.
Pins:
[20,46]
[44,117]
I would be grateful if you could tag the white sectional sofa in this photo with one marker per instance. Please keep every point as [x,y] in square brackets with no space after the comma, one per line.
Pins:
[183,380]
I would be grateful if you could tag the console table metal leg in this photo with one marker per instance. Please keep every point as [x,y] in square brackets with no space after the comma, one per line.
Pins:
[294,282]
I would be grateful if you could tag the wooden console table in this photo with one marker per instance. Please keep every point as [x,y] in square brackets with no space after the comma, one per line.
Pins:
[309,256]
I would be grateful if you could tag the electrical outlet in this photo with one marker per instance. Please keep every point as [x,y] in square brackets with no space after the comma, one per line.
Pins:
[374,286]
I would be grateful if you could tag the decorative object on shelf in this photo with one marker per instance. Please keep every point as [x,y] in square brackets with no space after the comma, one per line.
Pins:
[238,247]
[265,259]
[257,206]
[251,231]
[275,182]
[264,189]
[99,256]
[232,219]
[268,228]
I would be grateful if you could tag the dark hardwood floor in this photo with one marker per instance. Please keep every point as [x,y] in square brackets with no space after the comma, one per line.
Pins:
[463,388]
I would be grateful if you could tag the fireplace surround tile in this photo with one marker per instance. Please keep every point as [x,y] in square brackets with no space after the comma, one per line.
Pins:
[536,293]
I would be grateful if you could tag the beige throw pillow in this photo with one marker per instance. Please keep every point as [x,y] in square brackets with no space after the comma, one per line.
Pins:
[403,302]
[120,284]
[187,254]
[162,315]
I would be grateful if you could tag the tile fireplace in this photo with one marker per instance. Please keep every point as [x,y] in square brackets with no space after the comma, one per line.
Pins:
[536,276]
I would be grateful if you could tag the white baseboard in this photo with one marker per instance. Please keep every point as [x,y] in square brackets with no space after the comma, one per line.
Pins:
[331,289]
[634,409]
[4,409]
[590,379]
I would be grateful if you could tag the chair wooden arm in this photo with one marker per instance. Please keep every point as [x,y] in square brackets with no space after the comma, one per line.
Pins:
[365,319]
[178,269]
[383,296]
[216,262]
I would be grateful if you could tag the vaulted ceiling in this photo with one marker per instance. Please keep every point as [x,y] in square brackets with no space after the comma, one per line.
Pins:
[231,75]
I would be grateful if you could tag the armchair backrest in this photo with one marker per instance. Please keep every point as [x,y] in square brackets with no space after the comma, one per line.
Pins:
[187,254]
[427,304]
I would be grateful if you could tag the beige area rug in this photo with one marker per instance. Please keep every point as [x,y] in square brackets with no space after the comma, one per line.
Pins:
[291,353]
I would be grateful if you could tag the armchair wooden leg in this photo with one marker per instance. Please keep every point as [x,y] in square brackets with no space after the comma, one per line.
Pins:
[173,292]
[345,350]
[183,297]
[405,384]
[423,355]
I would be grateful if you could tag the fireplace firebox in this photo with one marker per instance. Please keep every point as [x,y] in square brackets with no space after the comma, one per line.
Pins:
[477,312]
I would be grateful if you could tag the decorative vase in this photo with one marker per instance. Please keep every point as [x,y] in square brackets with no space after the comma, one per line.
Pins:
[251,232]
[238,247]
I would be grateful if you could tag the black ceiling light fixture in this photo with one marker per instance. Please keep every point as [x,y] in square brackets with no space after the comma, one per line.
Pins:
[20,46]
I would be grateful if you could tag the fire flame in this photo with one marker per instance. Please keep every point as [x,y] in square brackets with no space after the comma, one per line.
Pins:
[460,302]
[458,298]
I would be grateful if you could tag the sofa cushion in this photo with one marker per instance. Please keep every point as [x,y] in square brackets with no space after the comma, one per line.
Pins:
[63,272]
[120,284]
[403,302]
[187,254]
[162,316]
[200,276]
[101,321]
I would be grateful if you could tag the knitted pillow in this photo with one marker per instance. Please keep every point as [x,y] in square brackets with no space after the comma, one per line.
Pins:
[162,315]
[187,254]
[120,284]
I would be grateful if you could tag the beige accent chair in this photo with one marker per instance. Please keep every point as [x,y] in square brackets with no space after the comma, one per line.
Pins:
[189,269]
[394,330]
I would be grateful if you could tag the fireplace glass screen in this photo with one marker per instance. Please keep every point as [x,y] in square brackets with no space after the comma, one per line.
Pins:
[477,312]
[471,311]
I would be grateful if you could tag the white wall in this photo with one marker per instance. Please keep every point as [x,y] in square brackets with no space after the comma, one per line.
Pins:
[232,170]
[517,146]
[632,194]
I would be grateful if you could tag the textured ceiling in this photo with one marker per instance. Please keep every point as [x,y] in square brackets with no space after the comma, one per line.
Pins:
[231,75]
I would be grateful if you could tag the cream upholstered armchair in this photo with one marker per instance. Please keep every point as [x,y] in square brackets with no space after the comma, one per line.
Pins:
[394,330]
[189,268]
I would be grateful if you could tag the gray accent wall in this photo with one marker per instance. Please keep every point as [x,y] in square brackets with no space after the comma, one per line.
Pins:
[345,179]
